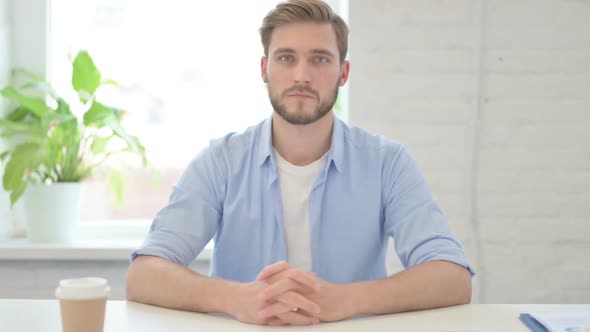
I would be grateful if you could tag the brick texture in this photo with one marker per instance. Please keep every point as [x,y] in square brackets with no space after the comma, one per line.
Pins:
[413,79]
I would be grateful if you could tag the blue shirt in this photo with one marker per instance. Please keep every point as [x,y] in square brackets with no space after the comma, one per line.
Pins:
[370,190]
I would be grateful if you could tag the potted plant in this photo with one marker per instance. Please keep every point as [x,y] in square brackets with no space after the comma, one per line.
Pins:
[55,144]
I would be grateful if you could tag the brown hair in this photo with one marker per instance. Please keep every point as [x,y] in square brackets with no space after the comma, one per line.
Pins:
[291,11]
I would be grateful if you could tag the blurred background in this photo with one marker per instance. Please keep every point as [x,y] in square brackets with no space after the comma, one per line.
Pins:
[492,97]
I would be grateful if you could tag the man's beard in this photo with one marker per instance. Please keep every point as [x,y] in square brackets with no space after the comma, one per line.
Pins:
[301,118]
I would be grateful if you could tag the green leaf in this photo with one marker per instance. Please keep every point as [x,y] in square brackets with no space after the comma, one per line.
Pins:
[99,144]
[70,149]
[55,151]
[40,85]
[85,76]
[35,105]
[100,115]
[133,143]
[17,193]
[18,114]
[11,128]
[156,176]
[63,107]
[117,185]
[110,82]
[30,75]
[83,173]
[27,156]
[56,119]
[4,155]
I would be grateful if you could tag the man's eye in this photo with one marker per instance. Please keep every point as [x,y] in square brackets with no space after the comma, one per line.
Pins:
[286,58]
[321,59]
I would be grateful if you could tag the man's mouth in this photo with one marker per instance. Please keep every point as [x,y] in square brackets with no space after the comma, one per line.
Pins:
[301,95]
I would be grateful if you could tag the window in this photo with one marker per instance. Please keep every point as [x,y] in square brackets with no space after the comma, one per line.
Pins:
[188,72]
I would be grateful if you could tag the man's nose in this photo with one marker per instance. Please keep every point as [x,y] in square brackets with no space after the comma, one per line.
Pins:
[302,73]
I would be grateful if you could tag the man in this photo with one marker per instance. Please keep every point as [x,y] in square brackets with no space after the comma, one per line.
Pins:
[301,206]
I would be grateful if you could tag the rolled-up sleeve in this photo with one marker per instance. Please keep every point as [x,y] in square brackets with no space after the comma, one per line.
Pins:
[180,230]
[412,217]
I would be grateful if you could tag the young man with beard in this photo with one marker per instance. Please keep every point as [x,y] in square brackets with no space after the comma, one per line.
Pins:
[302,205]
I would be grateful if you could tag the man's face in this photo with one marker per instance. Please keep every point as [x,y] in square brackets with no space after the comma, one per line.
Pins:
[303,71]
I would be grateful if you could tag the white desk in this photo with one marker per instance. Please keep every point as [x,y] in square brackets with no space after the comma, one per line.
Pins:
[43,315]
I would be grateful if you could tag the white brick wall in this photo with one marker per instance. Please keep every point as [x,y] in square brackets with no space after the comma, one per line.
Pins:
[413,78]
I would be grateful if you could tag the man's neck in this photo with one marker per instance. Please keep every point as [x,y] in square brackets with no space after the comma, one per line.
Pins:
[302,144]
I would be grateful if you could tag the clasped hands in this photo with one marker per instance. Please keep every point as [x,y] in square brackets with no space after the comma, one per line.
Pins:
[284,295]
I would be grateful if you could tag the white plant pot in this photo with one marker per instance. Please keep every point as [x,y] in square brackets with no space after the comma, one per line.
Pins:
[52,211]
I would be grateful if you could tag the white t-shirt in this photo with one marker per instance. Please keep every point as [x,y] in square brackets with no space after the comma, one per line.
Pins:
[296,184]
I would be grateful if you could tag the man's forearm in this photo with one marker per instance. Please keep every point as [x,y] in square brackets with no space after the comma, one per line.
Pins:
[430,285]
[157,281]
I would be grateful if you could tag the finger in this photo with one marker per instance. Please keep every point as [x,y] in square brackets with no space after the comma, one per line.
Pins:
[275,309]
[273,269]
[278,308]
[306,279]
[264,303]
[277,322]
[295,318]
[273,290]
[287,302]
[278,288]
[295,300]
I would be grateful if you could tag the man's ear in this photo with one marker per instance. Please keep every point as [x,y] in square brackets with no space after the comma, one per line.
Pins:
[263,69]
[344,72]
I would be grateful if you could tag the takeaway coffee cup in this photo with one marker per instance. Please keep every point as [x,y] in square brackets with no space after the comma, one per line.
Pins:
[82,304]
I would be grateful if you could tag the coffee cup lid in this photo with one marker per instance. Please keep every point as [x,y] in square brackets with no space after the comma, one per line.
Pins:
[82,289]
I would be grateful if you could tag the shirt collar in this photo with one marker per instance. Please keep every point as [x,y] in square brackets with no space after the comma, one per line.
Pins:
[337,145]
[265,142]
[334,155]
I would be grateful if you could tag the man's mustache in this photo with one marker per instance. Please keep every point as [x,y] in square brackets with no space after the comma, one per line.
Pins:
[302,88]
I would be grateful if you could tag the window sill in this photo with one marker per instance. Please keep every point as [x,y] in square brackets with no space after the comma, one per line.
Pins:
[97,241]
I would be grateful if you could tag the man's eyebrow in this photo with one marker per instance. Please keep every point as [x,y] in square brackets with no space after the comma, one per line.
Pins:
[314,51]
[283,50]
[323,52]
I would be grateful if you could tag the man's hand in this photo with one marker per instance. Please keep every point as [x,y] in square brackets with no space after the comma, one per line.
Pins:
[286,282]
[250,305]
[244,304]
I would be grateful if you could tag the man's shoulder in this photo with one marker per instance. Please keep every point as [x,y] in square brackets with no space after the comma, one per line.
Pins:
[234,146]
[237,141]
[361,140]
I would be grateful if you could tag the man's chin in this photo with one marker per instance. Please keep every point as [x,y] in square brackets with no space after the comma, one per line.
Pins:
[300,118]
